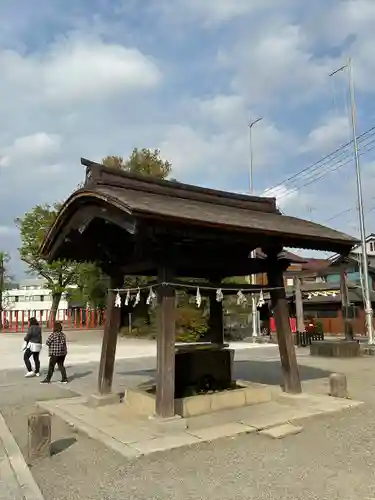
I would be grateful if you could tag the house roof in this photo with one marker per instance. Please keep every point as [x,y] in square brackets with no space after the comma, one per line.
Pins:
[153,199]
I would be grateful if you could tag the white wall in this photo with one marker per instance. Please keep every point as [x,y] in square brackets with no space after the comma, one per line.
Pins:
[370,248]
[36,300]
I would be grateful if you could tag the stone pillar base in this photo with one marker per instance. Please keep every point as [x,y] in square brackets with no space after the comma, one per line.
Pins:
[96,400]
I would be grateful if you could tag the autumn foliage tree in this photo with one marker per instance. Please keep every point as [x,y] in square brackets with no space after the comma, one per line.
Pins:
[141,161]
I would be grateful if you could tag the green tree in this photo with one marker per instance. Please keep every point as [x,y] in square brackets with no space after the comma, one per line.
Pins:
[4,279]
[92,285]
[141,161]
[60,274]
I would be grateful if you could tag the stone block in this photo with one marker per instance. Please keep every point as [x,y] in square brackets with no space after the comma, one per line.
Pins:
[228,399]
[281,431]
[257,395]
[39,435]
[338,385]
[336,348]
[96,400]
[141,402]
[194,405]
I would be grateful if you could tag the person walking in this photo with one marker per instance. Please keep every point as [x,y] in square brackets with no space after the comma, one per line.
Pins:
[32,347]
[57,351]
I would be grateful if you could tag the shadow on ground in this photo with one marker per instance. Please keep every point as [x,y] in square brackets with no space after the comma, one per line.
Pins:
[61,445]
[270,372]
[259,372]
[78,375]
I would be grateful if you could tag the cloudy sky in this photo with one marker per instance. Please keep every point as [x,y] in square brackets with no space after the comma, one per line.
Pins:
[97,77]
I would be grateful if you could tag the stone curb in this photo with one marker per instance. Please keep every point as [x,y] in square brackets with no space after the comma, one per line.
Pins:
[27,484]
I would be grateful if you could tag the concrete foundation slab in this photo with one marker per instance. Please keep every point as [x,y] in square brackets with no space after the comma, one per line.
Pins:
[281,431]
[165,443]
[220,431]
[270,415]
[133,434]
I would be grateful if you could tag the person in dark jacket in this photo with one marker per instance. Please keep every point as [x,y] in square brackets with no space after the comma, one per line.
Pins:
[33,346]
[57,351]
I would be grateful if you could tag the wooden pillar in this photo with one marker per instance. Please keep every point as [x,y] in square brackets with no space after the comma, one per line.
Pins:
[166,348]
[299,305]
[292,383]
[348,327]
[109,343]
[216,320]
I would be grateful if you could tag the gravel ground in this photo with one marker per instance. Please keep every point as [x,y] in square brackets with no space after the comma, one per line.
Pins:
[333,458]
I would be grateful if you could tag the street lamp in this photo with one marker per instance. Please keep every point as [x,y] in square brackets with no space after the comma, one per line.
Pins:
[252,278]
[366,286]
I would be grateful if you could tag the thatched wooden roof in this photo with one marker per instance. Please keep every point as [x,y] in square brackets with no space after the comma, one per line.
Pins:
[143,198]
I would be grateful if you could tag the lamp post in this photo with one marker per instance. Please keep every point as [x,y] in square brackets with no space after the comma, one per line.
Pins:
[252,278]
[366,286]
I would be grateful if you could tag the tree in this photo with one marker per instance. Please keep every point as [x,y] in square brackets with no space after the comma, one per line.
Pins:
[4,278]
[60,274]
[92,285]
[141,161]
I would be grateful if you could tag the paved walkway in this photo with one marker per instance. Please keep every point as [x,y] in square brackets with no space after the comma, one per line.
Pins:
[332,459]
[86,348]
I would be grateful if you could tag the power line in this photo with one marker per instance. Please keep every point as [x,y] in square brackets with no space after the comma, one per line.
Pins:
[348,210]
[329,168]
[324,162]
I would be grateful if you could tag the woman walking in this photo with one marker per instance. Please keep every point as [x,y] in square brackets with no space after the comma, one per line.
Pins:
[57,351]
[33,346]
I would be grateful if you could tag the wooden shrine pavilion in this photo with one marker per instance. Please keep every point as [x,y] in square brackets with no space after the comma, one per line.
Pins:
[134,225]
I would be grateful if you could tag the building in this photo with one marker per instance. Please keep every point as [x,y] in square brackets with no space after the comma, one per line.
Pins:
[321,286]
[31,298]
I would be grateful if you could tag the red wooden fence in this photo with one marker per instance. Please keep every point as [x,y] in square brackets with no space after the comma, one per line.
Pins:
[79,319]
[292,321]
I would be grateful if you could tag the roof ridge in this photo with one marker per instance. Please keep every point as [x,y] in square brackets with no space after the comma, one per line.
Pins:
[101,175]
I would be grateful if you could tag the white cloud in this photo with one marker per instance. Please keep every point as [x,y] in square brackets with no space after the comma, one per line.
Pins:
[78,70]
[327,136]
[211,13]
[84,95]
[218,150]
[31,149]
[81,70]
[223,108]
[285,197]
[275,63]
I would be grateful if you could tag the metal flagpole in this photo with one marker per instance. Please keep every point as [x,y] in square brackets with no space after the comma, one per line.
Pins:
[252,278]
[366,284]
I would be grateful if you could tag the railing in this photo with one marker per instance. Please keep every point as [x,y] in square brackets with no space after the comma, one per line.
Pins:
[77,319]
[305,339]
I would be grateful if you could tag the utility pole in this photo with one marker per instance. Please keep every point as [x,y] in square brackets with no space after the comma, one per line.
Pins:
[366,285]
[252,278]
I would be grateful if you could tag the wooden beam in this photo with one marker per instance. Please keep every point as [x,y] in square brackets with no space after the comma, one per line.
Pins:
[166,335]
[215,332]
[109,344]
[292,383]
